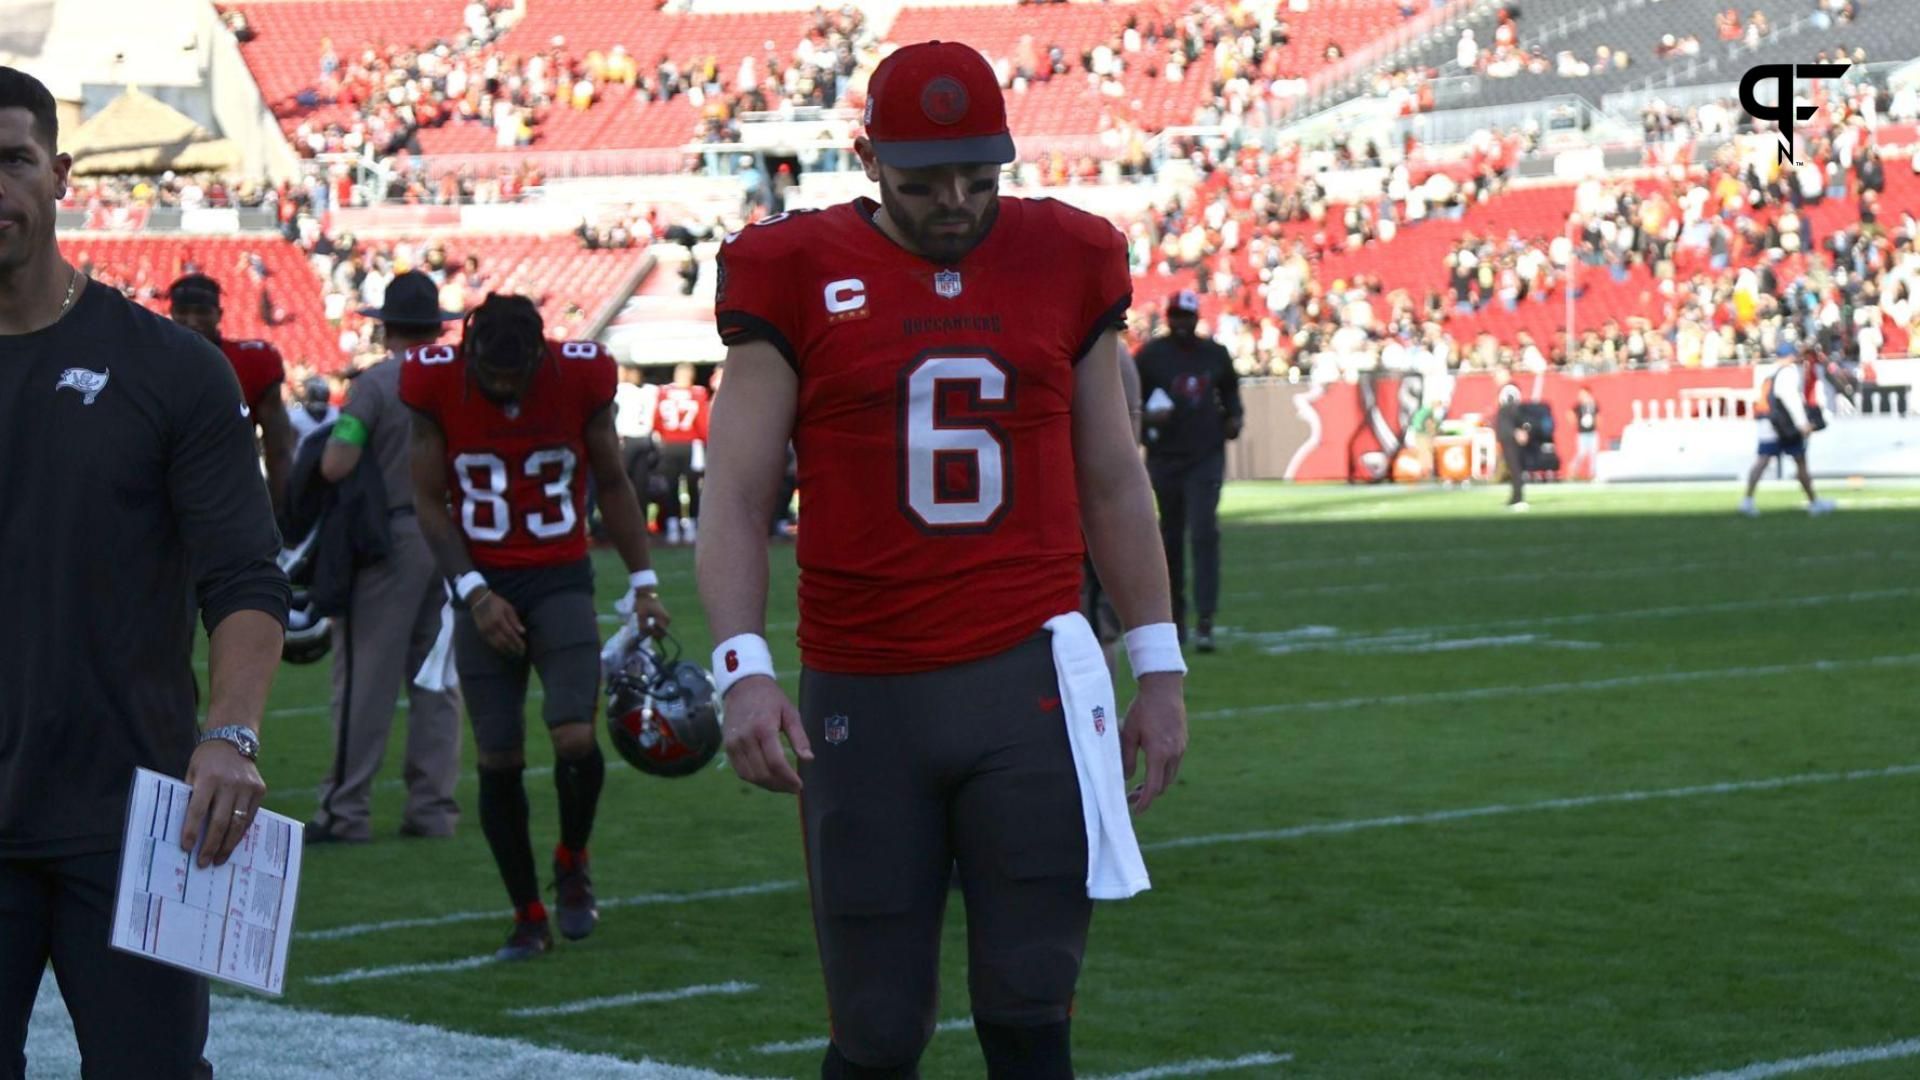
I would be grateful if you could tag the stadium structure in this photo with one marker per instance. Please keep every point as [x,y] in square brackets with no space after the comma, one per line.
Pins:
[1318,169]
[1378,202]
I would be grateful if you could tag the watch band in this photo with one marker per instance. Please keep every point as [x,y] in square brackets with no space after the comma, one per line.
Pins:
[242,738]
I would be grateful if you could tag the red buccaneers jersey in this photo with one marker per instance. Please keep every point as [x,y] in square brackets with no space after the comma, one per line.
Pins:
[934,424]
[680,414]
[258,366]
[518,475]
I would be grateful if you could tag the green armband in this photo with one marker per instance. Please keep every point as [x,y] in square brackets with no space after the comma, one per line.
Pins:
[350,429]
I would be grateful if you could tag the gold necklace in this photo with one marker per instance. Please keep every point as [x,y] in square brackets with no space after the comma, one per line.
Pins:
[73,284]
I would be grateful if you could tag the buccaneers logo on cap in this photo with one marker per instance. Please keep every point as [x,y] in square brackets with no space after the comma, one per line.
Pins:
[944,100]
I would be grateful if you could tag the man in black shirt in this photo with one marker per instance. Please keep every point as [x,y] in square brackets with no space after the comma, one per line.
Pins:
[1586,422]
[1192,409]
[1510,428]
[130,495]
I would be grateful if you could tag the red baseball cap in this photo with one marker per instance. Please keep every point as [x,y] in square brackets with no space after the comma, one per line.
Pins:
[937,103]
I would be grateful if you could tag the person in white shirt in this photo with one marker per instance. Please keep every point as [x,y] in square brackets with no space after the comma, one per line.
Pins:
[316,410]
[1867,333]
[1780,405]
[633,405]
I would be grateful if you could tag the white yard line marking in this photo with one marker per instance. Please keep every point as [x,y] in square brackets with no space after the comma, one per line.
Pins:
[1602,573]
[337,933]
[1730,787]
[618,1001]
[398,970]
[796,1046]
[1486,693]
[1832,1059]
[1202,1067]
[257,1040]
[1669,611]
[1316,638]
[1321,829]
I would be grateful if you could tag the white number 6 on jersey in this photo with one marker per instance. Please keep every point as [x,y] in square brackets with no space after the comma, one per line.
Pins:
[955,472]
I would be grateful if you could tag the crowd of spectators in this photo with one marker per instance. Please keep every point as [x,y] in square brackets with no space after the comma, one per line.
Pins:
[486,76]
[1726,260]
[173,190]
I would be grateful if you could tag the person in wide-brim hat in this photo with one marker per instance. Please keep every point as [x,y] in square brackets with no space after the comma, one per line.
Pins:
[412,300]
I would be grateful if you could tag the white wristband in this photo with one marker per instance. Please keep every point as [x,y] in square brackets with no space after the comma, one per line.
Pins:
[1154,647]
[740,656]
[467,584]
[643,579]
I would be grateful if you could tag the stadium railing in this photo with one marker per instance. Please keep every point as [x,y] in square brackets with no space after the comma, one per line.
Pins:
[1354,73]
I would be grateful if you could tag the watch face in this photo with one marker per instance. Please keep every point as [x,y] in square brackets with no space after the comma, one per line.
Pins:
[242,738]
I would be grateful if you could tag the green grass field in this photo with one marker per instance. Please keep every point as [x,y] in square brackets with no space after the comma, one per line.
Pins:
[1389,659]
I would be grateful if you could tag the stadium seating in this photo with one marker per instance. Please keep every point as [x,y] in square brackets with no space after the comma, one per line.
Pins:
[1415,261]
[285,53]
[1886,29]
[552,269]
[1071,104]
[285,57]
[150,263]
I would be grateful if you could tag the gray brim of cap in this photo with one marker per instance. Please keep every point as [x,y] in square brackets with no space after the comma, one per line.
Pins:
[929,153]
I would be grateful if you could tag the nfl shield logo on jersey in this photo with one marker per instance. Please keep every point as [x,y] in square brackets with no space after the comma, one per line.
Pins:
[1099,720]
[947,284]
[837,728]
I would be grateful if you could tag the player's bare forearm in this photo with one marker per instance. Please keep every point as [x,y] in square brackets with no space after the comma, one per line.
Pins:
[619,506]
[277,441]
[746,459]
[1116,501]
[428,469]
[243,653]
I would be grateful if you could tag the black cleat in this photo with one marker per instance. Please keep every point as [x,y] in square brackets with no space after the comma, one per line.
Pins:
[575,910]
[1203,637]
[316,832]
[530,938]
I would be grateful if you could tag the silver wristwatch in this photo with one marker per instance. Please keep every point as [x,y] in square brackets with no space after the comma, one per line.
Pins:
[242,738]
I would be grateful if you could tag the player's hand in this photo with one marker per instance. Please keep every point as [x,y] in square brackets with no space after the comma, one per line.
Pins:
[1157,724]
[1806,430]
[499,624]
[650,614]
[227,789]
[757,713]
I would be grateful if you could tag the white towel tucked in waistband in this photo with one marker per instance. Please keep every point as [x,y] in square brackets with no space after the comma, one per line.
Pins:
[438,673]
[1115,870]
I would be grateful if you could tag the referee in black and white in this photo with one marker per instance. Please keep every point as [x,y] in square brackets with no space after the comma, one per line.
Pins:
[1192,407]
[131,500]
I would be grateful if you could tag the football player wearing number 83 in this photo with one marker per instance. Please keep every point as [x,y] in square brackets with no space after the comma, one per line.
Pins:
[504,423]
[946,363]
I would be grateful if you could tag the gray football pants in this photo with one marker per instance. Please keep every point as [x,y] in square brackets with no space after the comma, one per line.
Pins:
[391,627]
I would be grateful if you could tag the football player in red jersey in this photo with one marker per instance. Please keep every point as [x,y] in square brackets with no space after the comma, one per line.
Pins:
[946,363]
[680,423]
[194,301]
[505,422]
